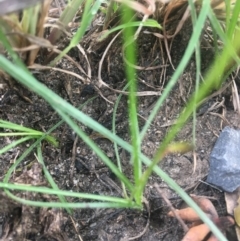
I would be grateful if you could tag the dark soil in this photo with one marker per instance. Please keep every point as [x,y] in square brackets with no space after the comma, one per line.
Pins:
[75,167]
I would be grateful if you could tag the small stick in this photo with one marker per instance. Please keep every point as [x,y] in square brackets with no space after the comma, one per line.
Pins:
[184,226]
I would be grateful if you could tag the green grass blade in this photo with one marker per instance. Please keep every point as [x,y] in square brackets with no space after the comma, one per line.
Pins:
[234,20]
[198,70]
[148,23]
[115,144]
[227,11]
[24,132]
[49,177]
[88,15]
[14,144]
[27,152]
[129,49]
[13,126]
[104,201]
[74,205]
[226,41]
[50,191]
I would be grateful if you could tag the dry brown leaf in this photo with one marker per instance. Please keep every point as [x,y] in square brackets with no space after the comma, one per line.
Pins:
[212,238]
[206,205]
[197,233]
[186,214]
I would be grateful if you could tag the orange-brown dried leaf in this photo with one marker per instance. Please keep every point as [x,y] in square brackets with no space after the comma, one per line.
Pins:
[206,205]
[212,238]
[186,214]
[197,233]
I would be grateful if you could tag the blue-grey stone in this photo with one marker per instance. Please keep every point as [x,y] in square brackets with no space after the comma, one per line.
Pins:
[225,161]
